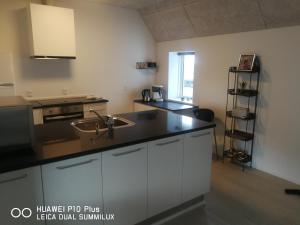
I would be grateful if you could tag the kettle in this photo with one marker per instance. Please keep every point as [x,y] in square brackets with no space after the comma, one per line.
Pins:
[146,95]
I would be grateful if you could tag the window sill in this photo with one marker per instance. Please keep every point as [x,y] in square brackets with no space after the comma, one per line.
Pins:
[180,101]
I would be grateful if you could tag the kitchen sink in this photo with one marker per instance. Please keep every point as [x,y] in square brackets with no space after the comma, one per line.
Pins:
[92,124]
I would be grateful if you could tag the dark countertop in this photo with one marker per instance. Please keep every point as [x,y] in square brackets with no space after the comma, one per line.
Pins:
[64,101]
[59,140]
[167,105]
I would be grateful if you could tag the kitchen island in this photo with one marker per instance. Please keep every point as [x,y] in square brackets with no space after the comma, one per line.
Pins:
[137,173]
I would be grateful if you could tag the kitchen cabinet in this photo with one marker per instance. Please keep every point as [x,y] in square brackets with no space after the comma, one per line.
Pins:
[196,164]
[125,184]
[74,182]
[46,24]
[100,108]
[165,158]
[20,189]
[141,107]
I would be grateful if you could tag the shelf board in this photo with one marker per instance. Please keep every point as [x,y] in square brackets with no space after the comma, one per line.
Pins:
[239,155]
[243,92]
[240,135]
[234,70]
[251,116]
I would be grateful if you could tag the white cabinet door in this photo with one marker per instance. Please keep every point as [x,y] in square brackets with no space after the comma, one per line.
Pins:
[20,189]
[165,158]
[125,184]
[197,164]
[74,182]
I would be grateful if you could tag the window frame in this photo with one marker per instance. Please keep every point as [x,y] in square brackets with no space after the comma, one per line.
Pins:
[180,80]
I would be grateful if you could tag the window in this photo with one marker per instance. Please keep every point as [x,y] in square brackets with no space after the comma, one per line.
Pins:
[181,76]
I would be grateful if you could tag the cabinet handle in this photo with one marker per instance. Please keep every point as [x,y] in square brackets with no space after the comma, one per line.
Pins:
[75,164]
[127,152]
[13,179]
[167,143]
[200,135]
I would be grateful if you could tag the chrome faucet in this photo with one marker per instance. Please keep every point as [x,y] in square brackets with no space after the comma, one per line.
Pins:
[98,115]
[109,122]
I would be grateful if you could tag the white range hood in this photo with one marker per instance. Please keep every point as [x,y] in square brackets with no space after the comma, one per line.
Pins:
[52,32]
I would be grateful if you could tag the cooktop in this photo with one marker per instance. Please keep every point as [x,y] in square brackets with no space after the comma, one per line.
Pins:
[64,101]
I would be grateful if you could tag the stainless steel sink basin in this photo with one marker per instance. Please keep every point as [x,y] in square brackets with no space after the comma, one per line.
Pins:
[90,125]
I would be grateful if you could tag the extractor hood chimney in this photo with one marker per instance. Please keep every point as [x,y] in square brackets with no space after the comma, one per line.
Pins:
[52,32]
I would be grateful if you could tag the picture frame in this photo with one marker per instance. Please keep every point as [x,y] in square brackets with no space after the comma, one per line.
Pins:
[246,62]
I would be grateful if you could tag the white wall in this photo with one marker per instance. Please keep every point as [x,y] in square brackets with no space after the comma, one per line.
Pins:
[109,41]
[277,142]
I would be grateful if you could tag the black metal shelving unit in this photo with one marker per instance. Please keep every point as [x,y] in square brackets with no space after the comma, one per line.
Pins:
[239,131]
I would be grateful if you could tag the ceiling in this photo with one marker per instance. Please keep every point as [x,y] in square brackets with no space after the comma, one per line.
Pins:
[179,19]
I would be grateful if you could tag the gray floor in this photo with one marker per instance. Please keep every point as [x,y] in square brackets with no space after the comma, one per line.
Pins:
[244,198]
